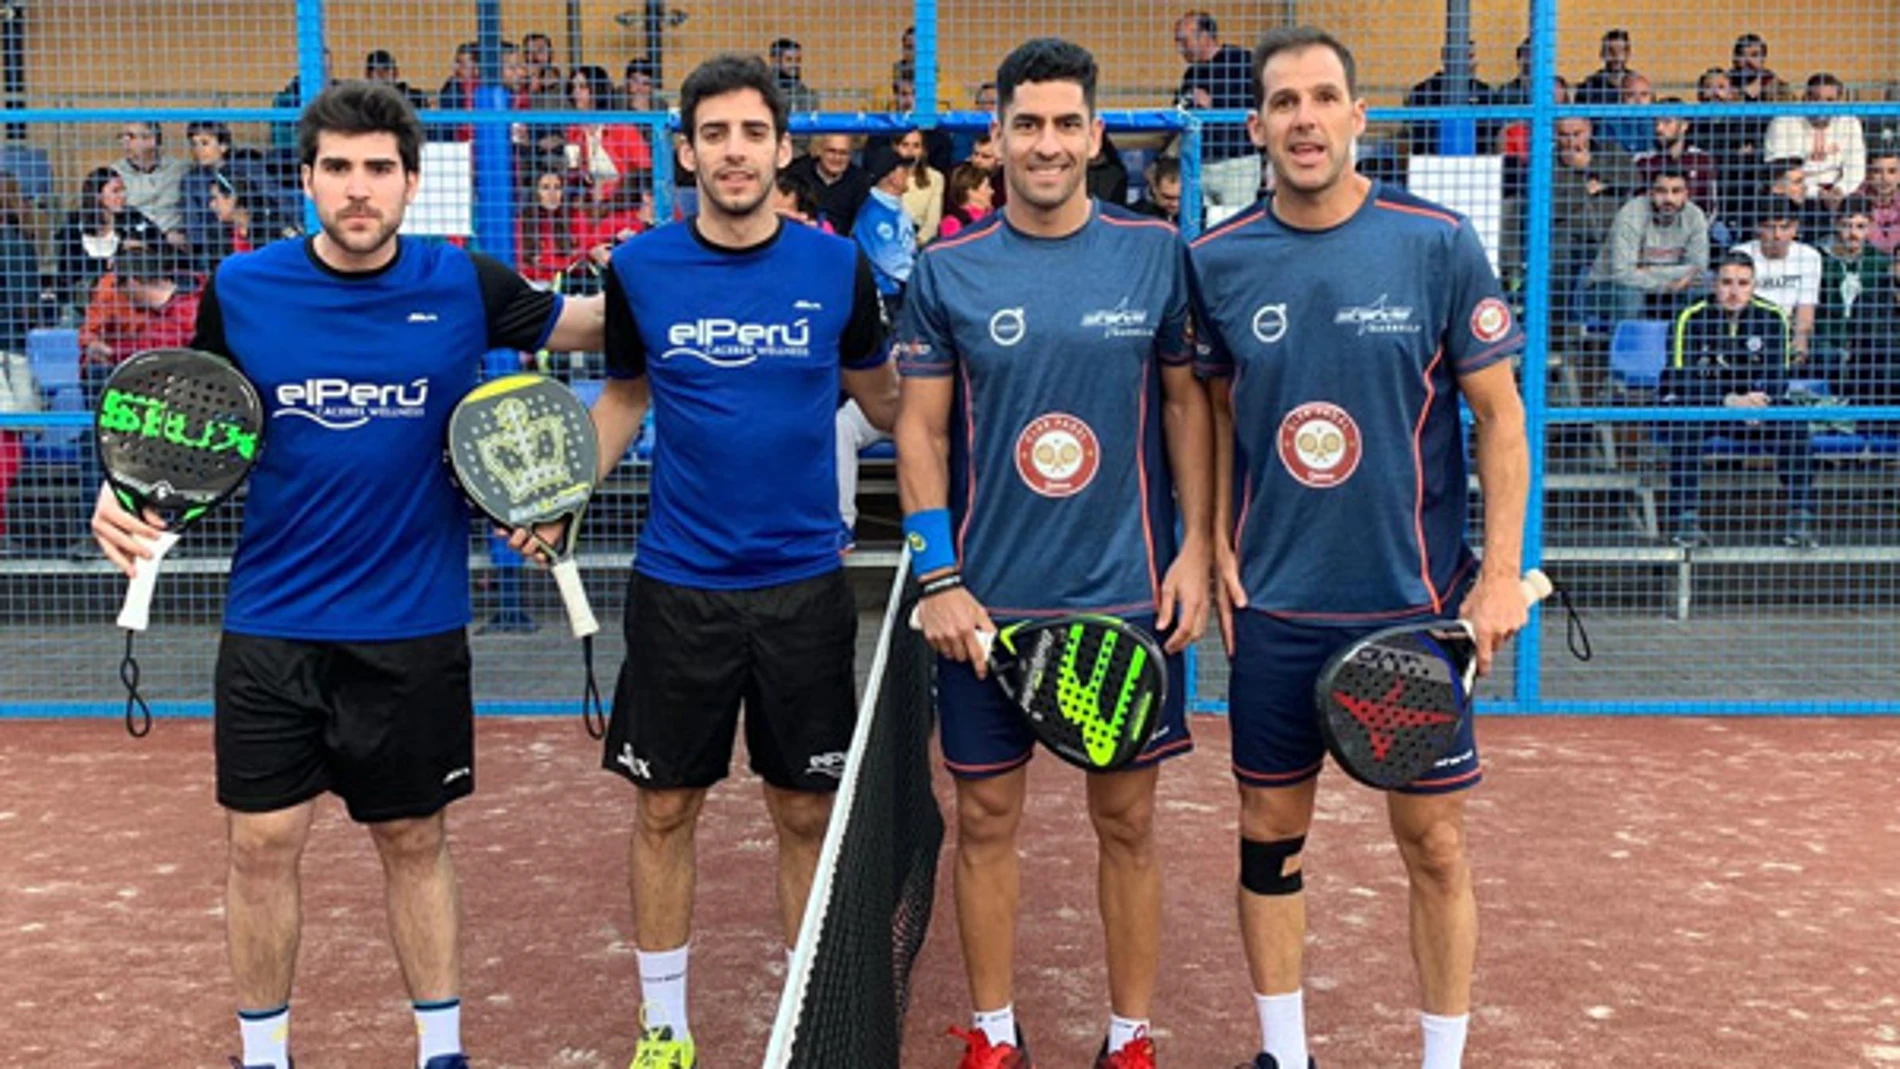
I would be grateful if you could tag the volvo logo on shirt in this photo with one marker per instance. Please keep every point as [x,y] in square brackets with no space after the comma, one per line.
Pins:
[1377,318]
[342,405]
[1269,323]
[731,343]
[1120,321]
[1007,327]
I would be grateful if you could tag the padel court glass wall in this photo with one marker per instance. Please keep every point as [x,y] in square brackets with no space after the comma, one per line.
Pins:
[1767,603]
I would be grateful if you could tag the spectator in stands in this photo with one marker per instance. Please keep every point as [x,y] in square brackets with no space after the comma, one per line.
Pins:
[983,153]
[840,184]
[604,156]
[283,135]
[164,300]
[600,225]
[544,75]
[1590,184]
[1514,140]
[209,142]
[1107,177]
[1219,76]
[1605,84]
[1789,192]
[923,200]
[19,306]
[1670,147]
[1656,251]
[1735,143]
[1632,133]
[246,218]
[1748,70]
[883,229]
[793,199]
[1874,375]
[966,198]
[1833,149]
[1436,92]
[1517,91]
[380,66]
[1161,190]
[1734,351]
[1787,273]
[1852,274]
[939,147]
[637,87]
[1880,199]
[1883,133]
[905,68]
[544,234]
[465,74]
[94,233]
[154,184]
[788,68]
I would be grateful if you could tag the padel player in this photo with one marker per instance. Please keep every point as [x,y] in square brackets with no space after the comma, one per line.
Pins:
[1051,419]
[344,664]
[1343,319]
[740,329]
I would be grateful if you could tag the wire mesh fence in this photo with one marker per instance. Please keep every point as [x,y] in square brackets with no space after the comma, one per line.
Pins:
[1694,212]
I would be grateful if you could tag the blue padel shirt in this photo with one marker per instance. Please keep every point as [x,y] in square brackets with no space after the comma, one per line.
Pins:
[1060,492]
[741,349]
[1345,347]
[353,527]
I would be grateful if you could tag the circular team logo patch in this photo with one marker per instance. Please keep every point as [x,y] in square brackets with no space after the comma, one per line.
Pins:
[1007,326]
[1057,455]
[1320,444]
[1490,320]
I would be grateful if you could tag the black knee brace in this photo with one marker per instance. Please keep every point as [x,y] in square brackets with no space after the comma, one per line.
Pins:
[1263,866]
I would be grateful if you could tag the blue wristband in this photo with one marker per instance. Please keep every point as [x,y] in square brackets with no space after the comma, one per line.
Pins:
[928,535]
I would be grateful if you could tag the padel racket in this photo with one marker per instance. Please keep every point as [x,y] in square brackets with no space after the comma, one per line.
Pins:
[177,431]
[524,450]
[1392,703]
[1090,687]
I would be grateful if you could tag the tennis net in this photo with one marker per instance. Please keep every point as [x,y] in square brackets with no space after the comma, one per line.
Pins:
[848,985]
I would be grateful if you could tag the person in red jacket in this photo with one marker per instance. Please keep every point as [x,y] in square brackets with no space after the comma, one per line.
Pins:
[605,155]
[545,242]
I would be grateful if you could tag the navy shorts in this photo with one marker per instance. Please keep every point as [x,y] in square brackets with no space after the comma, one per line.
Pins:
[984,733]
[1277,741]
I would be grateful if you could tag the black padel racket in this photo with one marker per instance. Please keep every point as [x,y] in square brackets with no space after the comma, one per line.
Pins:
[1391,704]
[1090,687]
[177,430]
[524,450]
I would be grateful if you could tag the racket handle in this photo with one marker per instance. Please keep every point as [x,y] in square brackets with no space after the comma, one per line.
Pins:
[580,615]
[136,614]
[987,639]
[1536,586]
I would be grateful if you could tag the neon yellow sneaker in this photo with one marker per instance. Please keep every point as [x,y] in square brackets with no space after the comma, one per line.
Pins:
[658,1049]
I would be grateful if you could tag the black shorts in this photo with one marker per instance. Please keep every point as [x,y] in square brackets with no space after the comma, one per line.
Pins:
[694,655]
[388,726]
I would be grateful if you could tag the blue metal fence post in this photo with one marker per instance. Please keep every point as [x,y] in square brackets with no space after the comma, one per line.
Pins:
[1191,207]
[493,155]
[1457,137]
[924,78]
[1537,283]
[312,76]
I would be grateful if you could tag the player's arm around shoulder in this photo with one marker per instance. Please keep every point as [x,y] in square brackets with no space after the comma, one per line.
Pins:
[582,326]
[1497,607]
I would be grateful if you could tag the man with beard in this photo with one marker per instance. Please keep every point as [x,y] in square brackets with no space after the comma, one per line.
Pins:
[1062,321]
[740,330]
[334,675]
[1656,249]
[1344,320]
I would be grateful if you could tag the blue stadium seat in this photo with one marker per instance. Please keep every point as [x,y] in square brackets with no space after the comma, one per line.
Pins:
[30,166]
[1638,350]
[53,353]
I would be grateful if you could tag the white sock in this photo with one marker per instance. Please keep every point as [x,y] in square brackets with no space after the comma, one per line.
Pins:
[663,990]
[1283,1028]
[438,1029]
[1122,1031]
[999,1025]
[266,1035]
[1444,1040]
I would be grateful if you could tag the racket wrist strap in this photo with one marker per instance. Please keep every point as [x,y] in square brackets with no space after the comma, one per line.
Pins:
[939,584]
[932,549]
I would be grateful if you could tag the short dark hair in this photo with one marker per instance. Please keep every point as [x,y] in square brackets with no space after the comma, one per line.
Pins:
[537,35]
[1164,167]
[379,60]
[783,45]
[361,108]
[1046,59]
[1746,40]
[730,72]
[1616,33]
[149,264]
[637,66]
[215,127]
[1736,258]
[1713,72]
[1821,78]
[1777,210]
[1298,39]
[1669,168]
[1203,22]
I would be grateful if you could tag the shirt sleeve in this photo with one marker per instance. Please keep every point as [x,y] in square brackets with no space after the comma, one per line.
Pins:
[1174,344]
[626,349]
[924,346]
[207,333]
[518,315]
[1482,329]
[1212,358]
[862,344]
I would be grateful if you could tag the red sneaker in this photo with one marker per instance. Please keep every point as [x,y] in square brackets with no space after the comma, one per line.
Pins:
[1137,1053]
[982,1054]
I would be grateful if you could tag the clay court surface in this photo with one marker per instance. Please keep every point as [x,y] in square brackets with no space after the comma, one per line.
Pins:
[1656,893]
